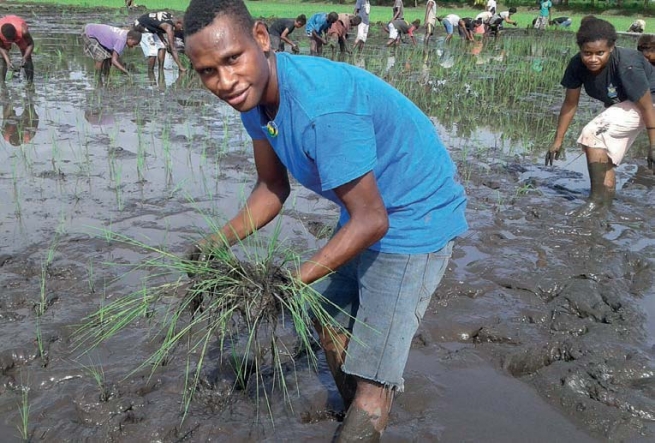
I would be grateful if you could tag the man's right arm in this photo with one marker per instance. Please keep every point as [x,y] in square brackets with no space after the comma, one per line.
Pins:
[115,60]
[568,110]
[264,203]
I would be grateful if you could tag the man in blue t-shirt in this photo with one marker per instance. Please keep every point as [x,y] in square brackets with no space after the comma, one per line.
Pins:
[355,140]
[316,27]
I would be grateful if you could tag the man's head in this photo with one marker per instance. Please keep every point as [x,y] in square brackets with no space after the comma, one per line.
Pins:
[178,25]
[133,38]
[201,13]
[301,21]
[332,17]
[230,52]
[8,32]
[355,20]
[512,10]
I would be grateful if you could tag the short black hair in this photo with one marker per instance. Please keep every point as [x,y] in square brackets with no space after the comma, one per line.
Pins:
[302,19]
[332,17]
[512,10]
[593,29]
[646,41]
[135,35]
[9,31]
[202,13]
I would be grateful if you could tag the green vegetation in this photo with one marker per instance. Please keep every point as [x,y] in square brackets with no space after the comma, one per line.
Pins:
[247,307]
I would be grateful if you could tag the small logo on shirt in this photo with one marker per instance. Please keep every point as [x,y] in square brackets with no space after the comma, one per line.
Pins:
[271,127]
[612,94]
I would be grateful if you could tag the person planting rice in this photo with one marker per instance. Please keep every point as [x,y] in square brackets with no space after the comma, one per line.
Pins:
[159,30]
[318,25]
[561,22]
[622,79]
[280,30]
[496,22]
[104,44]
[398,28]
[349,136]
[14,30]
[452,22]
[339,31]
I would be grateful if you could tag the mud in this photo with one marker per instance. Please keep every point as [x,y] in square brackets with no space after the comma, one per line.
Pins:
[542,329]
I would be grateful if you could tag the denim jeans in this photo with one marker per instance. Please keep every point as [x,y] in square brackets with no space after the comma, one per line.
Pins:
[382,297]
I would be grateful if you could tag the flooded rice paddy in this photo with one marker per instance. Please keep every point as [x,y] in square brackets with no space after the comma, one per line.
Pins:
[542,330]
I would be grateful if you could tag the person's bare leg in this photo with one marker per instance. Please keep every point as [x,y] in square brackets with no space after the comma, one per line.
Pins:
[151,64]
[368,415]
[334,345]
[3,71]
[28,67]
[98,72]
[161,56]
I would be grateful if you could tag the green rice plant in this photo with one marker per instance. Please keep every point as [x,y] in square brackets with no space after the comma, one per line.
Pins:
[24,407]
[43,353]
[97,373]
[238,305]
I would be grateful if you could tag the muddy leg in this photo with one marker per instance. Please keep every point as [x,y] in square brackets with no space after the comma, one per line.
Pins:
[603,184]
[3,71]
[334,345]
[368,415]
[28,67]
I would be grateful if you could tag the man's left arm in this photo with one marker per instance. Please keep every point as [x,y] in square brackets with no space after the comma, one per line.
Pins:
[368,223]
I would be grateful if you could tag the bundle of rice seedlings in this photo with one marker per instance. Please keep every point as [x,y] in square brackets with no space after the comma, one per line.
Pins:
[244,306]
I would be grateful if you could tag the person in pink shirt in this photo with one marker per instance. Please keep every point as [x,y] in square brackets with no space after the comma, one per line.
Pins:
[13,30]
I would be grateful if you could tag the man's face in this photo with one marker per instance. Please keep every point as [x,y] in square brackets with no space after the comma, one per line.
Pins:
[131,43]
[231,63]
[649,53]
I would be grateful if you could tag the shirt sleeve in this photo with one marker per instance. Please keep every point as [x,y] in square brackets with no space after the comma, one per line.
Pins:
[251,121]
[634,81]
[345,148]
[571,79]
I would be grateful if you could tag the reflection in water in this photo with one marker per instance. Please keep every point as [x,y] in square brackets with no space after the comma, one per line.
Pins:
[96,112]
[18,129]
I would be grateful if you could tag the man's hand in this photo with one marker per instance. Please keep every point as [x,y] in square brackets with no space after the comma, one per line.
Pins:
[554,153]
[198,252]
[651,158]
[295,49]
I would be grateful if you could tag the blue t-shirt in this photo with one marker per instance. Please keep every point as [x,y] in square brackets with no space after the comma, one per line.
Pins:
[337,122]
[317,22]
[545,8]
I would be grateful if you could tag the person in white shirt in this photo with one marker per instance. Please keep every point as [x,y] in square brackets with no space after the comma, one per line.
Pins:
[491,6]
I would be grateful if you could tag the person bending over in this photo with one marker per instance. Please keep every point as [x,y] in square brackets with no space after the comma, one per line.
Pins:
[14,30]
[280,30]
[622,79]
[366,147]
